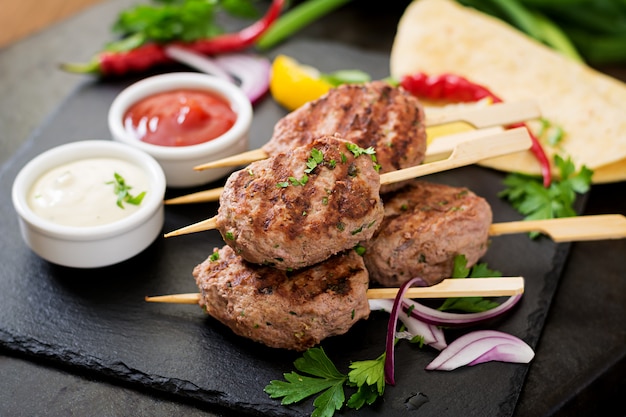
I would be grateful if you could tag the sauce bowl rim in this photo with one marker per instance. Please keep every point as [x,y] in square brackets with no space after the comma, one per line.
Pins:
[170,81]
[84,149]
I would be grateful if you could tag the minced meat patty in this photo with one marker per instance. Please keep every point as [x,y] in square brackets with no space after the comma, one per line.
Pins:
[290,211]
[374,114]
[285,310]
[426,226]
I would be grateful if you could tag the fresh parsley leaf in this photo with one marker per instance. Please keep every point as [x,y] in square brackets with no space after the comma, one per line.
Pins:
[469,304]
[317,157]
[528,196]
[121,189]
[369,372]
[324,379]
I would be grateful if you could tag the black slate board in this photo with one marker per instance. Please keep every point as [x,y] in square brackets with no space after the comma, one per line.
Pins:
[96,320]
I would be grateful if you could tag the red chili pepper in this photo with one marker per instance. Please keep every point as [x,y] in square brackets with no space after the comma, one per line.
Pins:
[150,55]
[453,87]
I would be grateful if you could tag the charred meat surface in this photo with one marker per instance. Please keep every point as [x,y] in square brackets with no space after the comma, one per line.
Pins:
[425,226]
[374,114]
[285,310]
[298,208]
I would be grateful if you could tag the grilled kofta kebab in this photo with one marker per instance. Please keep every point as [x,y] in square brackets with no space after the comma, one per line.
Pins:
[426,225]
[298,208]
[281,309]
[374,114]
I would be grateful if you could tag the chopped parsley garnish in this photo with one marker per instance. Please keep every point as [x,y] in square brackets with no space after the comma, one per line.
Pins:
[121,189]
[319,375]
[358,151]
[360,249]
[317,157]
[215,256]
[528,195]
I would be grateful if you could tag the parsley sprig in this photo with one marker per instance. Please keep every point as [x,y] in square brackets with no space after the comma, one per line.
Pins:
[323,378]
[470,304]
[528,196]
[358,151]
[121,189]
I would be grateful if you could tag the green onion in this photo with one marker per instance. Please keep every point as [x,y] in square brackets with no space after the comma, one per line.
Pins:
[295,19]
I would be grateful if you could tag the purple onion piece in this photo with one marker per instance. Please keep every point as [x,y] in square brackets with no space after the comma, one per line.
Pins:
[391,332]
[442,318]
[482,346]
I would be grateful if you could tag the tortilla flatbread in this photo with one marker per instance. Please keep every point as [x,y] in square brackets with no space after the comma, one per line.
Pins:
[441,36]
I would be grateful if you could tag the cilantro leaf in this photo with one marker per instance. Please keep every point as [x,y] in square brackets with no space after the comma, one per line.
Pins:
[529,197]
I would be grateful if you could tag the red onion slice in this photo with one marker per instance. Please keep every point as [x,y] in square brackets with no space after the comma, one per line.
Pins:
[253,72]
[197,61]
[432,335]
[442,318]
[248,71]
[482,346]
[391,331]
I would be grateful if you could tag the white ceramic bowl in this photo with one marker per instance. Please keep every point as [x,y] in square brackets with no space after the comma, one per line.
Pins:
[92,246]
[178,161]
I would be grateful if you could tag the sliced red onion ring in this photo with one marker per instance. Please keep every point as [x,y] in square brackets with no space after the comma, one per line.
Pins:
[482,346]
[253,72]
[432,335]
[391,332]
[249,71]
[442,318]
[197,61]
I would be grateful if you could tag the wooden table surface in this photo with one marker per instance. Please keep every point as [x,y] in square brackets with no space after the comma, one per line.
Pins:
[25,17]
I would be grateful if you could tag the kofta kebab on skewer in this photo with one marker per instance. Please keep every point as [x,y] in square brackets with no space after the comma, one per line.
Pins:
[298,309]
[375,114]
[297,208]
[378,115]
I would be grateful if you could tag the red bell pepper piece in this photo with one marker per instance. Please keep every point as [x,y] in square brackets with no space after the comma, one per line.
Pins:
[150,55]
[455,88]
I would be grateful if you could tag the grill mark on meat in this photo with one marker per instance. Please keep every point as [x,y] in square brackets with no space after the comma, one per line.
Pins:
[284,310]
[425,227]
[293,226]
[375,114]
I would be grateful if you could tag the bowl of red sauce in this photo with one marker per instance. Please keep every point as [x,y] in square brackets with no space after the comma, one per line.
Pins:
[183,120]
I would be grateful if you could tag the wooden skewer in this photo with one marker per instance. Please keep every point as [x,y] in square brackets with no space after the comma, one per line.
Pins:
[569,229]
[463,149]
[479,117]
[452,287]
[467,153]
[440,149]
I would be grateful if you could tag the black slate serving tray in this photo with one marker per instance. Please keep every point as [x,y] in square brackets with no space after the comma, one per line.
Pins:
[96,320]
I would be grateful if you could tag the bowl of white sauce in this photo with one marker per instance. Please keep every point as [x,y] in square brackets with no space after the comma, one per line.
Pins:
[183,120]
[90,203]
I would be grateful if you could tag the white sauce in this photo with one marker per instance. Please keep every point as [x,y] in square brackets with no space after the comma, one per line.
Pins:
[77,194]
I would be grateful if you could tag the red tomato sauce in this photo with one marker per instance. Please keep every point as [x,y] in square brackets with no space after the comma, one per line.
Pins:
[180,118]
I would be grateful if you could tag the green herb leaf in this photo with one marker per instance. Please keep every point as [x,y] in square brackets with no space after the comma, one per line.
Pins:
[528,196]
[168,20]
[469,304]
[324,379]
[121,190]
